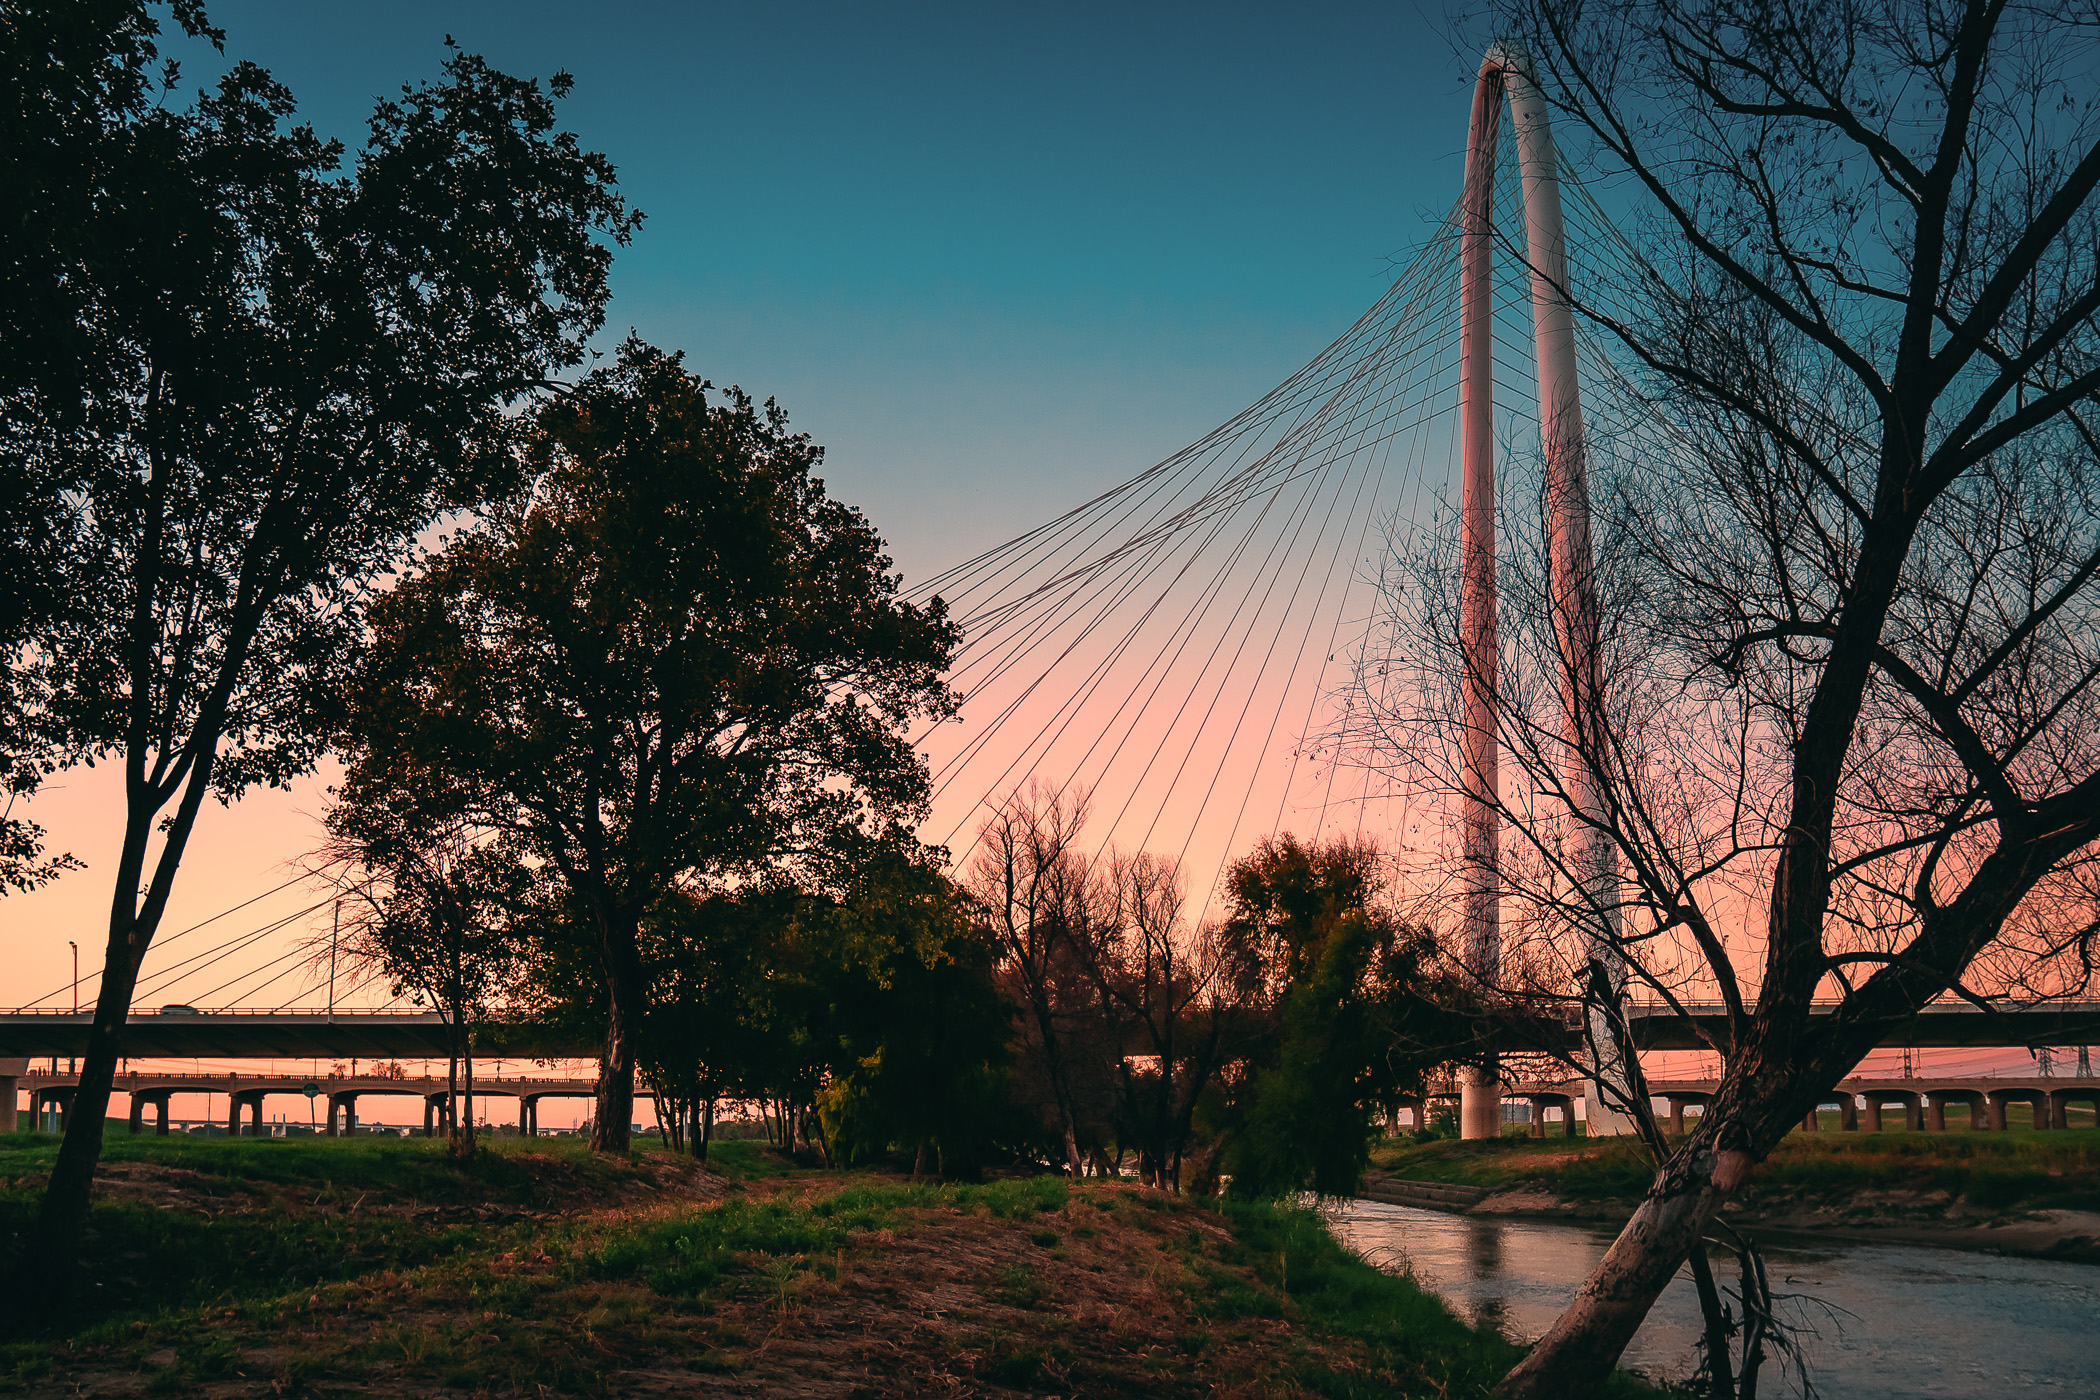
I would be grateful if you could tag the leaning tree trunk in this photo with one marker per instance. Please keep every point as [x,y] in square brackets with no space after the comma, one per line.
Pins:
[1751,1114]
[66,1194]
[1586,1341]
[132,924]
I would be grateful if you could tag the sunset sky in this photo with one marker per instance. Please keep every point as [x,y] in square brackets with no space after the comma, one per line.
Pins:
[995,258]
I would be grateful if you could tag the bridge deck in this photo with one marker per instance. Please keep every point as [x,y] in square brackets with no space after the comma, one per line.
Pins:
[284,1035]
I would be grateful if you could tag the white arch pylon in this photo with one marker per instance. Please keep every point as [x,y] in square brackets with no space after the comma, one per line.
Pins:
[1507,72]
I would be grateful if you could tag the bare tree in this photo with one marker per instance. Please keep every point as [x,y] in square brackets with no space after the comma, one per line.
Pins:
[1029,884]
[1848,547]
[1162,993]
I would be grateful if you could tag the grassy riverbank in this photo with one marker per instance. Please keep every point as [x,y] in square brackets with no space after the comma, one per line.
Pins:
[1987,1173]
[375,1266]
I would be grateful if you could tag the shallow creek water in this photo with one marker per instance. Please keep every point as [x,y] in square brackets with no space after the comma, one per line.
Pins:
[1895,1321]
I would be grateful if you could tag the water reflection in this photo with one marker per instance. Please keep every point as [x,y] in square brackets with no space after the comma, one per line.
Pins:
[1878,1320]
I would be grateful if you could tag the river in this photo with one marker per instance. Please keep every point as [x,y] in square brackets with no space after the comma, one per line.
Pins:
[1894,1321]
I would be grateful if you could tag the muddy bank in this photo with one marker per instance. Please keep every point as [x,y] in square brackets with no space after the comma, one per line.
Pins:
[1882,1216]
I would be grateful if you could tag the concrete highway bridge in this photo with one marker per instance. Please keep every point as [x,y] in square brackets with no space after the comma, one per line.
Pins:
[1923,1101]
[418,1035]
[245,1094]
[239,1033]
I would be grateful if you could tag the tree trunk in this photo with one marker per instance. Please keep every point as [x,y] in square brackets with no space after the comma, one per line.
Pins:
[707,1127]
[132,924]
[1586,1341]
[613,1115]
[452,1085]
[65,1208]
[1720,1371]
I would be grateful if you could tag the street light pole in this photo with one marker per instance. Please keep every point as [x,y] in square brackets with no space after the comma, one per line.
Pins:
[334,929]
[72,1066]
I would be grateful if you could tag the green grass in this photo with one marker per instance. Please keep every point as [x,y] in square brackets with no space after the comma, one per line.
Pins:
[742,1159]
[414,1166]
[1996,1171]
[563,1303]
[151,1262]
[682,1257]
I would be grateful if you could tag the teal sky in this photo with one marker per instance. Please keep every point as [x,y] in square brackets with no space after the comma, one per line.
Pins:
[995,258]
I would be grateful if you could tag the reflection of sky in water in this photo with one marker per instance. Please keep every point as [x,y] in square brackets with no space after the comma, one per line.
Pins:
[1887,1321]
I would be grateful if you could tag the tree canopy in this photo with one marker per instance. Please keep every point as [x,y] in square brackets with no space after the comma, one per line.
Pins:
[673,664]
[263,375]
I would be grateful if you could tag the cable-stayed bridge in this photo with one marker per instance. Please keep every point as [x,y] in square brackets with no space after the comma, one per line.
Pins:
[1194,648]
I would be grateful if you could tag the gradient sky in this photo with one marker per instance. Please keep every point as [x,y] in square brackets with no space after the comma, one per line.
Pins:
[995,258]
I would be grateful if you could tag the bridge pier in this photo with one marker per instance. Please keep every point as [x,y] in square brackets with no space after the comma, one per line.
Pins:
[1848,1113]
[1678,1103]
[347,1105]
[251,1101]
[2044,1119]
[2061,1100]
[1541,1102]
[1479,1104]
[59,1097]
[529,1115]
[1936,1114]
[158,1102]
[10,1087]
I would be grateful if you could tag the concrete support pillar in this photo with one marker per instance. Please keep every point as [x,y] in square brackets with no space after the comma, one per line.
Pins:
[1848,1113]
[1677,1116]
[1871,1111]
[138,1114]
[2049,1113]
[1538,1118]
[1913,1115]
[1994,1113]
[429,1116]
[1936,1114]
[1808,1122]
[160,1119]
[525,1117]
[10,1088]
[1479,1104]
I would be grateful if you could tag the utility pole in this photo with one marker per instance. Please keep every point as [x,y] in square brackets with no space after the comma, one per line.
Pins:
[334,930]
[72,1065]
